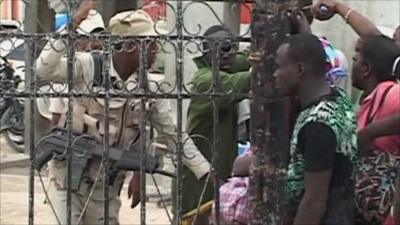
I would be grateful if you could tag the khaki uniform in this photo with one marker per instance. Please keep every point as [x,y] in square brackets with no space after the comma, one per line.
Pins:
[124,119]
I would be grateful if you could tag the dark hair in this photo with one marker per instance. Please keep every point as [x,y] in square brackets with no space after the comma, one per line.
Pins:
[212,30]
[98,30]
[380,52]
[118,46]
[308,49]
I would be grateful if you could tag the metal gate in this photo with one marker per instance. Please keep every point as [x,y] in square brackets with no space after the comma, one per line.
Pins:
[182,40]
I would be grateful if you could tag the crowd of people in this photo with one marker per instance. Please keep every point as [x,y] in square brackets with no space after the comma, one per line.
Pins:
[343,166]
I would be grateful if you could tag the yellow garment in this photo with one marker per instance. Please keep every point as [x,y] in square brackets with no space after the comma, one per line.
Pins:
[188,218]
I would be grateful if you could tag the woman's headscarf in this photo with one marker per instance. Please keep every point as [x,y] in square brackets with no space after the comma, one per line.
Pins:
[336,63]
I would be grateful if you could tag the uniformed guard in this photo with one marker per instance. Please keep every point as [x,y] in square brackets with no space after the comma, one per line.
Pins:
[124,118]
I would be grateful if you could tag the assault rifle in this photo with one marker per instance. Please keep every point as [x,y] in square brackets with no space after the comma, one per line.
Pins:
[84,148]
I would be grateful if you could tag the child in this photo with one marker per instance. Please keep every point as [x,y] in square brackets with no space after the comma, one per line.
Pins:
[233,197]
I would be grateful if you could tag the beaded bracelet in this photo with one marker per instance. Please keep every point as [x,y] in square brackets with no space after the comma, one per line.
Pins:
[346,17]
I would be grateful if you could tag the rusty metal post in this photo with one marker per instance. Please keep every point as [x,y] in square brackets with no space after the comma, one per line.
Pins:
[270,115]
[35,22]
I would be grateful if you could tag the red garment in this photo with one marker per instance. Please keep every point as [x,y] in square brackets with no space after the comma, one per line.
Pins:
[157,9]
[389,221]
[379,106]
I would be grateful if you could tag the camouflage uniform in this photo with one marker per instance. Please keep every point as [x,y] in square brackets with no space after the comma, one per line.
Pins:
[124,119]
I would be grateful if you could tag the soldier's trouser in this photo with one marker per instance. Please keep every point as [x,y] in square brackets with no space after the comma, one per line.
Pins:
[94,214]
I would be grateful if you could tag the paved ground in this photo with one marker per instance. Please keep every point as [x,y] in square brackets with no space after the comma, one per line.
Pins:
[14,197]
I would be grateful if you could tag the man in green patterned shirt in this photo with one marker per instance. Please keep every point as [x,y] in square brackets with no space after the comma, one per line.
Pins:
[323,147]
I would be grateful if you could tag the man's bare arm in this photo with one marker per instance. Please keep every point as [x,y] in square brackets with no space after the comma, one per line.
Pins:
[318,142]
[360,24]
[83,10]
[314,202]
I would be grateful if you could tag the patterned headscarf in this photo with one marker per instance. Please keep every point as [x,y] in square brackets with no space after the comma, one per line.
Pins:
[335,62]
